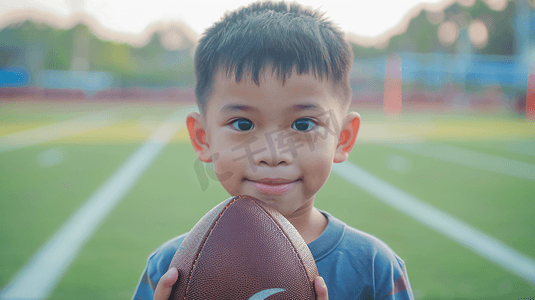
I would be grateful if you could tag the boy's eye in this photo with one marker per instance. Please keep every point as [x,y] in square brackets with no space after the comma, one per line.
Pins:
[242,124]
[303,124]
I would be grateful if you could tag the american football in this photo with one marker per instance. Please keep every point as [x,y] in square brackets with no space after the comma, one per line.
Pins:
[244,249]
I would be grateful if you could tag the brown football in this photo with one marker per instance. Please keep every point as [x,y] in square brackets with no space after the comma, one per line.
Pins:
[244,249]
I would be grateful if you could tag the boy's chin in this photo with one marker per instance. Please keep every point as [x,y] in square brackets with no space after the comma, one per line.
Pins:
[281,204]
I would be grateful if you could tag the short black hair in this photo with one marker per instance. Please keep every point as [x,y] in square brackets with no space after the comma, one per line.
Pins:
[286,36]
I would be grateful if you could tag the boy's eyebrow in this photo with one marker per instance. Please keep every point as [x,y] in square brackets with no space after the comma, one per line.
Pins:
[229,108]
[302,107]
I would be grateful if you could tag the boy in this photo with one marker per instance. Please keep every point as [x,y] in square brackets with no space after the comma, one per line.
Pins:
[273,83]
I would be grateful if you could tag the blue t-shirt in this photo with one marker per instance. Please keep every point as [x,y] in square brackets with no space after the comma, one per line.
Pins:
[354,265]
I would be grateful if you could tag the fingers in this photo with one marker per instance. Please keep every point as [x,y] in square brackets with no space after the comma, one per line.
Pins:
[165,285]
[321,289]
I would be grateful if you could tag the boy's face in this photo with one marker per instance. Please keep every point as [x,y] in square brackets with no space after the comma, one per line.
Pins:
[287,132]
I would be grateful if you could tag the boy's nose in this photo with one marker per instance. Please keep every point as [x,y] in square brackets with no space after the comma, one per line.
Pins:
[275,153]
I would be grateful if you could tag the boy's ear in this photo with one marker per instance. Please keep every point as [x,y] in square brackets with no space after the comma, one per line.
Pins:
[197,135]
[348,136]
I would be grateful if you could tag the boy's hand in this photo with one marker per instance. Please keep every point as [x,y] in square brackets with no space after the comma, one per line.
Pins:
[321,289]
[165,285]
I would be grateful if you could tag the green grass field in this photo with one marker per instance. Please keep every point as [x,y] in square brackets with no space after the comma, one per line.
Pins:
[42,185]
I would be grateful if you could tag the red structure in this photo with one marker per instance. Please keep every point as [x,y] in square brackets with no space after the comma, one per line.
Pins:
[392,92]
[530,97]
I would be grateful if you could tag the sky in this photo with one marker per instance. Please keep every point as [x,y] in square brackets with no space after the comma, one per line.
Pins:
[366,18]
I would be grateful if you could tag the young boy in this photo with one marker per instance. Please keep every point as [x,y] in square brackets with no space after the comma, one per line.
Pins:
[273,83]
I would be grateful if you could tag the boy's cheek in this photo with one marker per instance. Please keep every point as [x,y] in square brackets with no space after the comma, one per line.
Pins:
[317,172]
[227,170]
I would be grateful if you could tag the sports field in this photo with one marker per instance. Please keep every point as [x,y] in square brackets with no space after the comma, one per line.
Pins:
[452,194]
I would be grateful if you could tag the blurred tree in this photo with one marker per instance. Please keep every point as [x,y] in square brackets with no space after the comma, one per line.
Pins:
[59,51]
[151,65]
[502,37]
[422,36]
[111,57]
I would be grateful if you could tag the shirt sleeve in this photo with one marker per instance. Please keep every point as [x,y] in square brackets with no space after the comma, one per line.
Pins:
[144,289]
[157,264]
[395,281]
[150,277]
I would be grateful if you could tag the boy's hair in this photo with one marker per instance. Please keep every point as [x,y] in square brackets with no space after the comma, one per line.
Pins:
[286,36]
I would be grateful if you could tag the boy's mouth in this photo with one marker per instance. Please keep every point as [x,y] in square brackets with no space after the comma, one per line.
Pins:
[273,186]
[273,181]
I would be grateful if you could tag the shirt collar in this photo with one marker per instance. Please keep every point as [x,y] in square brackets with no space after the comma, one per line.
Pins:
[329,239]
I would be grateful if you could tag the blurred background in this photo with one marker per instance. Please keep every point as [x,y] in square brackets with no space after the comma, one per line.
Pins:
[93,95]
[455,55]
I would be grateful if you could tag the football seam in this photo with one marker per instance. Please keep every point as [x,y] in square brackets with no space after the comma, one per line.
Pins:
[303,268]
[204,242]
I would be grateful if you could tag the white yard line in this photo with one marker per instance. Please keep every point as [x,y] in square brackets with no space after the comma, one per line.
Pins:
[521,147]
[47,133]
[469,158]
[37,279]
[475,240]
